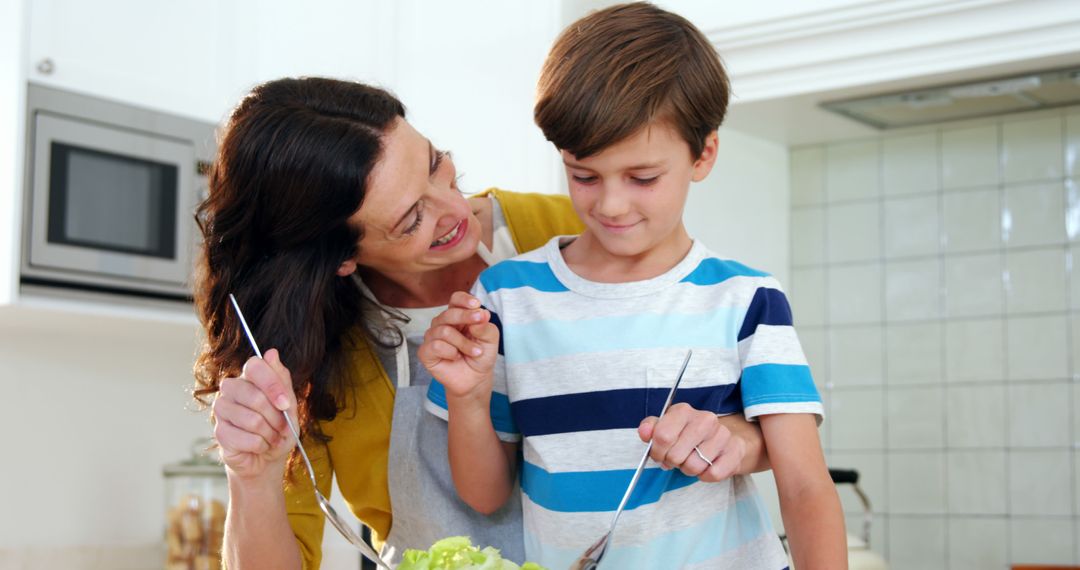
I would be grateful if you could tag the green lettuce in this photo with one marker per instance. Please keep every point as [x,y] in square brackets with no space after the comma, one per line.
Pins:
[458,553]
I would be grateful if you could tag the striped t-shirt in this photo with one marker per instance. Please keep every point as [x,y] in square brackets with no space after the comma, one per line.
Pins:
[581,364]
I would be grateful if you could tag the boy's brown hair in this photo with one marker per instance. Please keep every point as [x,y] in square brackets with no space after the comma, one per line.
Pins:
[616,70]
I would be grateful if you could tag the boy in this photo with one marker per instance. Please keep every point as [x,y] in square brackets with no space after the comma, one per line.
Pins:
[567,349]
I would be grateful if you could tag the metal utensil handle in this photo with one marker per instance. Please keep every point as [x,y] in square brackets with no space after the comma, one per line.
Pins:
[648,448]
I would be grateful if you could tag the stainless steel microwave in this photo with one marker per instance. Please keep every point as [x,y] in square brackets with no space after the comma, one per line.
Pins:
[111,191]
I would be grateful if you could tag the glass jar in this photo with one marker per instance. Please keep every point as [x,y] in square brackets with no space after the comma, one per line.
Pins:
[196,494]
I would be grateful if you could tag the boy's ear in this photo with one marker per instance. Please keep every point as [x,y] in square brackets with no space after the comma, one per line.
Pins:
[704,163]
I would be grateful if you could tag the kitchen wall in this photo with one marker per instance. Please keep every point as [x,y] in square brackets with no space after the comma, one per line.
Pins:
[935,292]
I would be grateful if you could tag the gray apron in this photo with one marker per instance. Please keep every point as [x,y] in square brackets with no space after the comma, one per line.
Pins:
[423,500]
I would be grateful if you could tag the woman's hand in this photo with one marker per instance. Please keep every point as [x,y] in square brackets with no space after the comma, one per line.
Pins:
[248,425]
[683,433]
[460,348]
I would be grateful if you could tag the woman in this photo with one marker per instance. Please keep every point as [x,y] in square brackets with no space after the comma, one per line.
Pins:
[341,231]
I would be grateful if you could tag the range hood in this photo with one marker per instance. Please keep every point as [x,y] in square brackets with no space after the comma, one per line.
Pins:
[1027,92]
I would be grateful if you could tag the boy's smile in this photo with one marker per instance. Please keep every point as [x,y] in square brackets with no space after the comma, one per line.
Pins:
[630,197]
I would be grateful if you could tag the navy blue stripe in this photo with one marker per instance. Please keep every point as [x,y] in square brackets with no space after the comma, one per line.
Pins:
[495,320]
[768,307]
[614,409]
[712,271]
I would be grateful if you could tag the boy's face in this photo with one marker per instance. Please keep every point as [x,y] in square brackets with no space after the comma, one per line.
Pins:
[631,194]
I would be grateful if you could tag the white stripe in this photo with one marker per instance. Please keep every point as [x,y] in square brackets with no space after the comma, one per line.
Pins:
[772,344]
[789,408]
[525,305]
[563,452]
[656,368]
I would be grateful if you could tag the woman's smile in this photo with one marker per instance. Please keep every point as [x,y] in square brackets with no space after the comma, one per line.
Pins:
[453,237]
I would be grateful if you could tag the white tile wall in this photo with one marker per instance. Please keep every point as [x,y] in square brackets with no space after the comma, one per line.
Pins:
[1072,145]
[1031,149]
[1040,482]
[978,482]
[851,171]
[912,227]
[974,285]
[808,236]
[916,418]
[1039,414]
[972,220]
[913,289]
[1043,540]
[916,543]
[854,232]
[916,482]
[978,542]
[1033,215]
[1035,281]
[947,311]
[854,293]
[976,416]
[858,419]
[807,295]
[974,350]
[807,176]
[910,164]
[969,157]
[1038,348]
[855,356]
[913,353]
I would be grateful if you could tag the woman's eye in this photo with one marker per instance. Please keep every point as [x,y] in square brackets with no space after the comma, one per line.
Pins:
[437,160]
[584,179]
[416,222]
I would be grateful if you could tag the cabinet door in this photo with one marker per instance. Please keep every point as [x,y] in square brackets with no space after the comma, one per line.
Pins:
[162,55]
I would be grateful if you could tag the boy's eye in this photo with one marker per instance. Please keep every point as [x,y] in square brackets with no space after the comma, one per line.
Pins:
[584,179]
[645,181]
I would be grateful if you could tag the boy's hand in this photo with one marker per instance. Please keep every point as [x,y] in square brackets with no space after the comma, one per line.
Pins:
[681,430]
[460,348]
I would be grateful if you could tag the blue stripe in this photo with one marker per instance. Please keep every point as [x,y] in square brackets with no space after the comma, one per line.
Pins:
[614,409]
[597,491]
[768,307]
[746,521]
[777,384]
[515,274]
[500,407]
[712,271]
[544,339]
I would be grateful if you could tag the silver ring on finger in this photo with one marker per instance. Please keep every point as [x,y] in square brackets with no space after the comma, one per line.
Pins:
[702,456]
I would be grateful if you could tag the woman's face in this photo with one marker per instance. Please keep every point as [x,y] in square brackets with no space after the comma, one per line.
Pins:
[414,219]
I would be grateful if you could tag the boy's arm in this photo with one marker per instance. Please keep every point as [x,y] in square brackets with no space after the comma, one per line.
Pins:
[460,350]
[808,501]
[756,454]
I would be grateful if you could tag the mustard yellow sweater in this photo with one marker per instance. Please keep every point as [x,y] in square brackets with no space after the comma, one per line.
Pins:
[358,452]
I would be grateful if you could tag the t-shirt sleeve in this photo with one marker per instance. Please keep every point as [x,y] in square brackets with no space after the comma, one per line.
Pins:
[501,418]
[775,375]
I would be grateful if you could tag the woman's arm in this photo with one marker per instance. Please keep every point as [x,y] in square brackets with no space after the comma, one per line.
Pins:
[809,504]
[255,443]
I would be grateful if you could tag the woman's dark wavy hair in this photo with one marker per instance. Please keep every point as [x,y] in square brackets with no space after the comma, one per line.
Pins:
[292,166]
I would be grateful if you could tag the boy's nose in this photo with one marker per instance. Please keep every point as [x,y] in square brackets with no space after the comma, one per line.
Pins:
[611,203]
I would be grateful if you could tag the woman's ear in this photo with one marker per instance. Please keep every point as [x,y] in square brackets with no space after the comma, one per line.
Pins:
[347,268]
[704,163]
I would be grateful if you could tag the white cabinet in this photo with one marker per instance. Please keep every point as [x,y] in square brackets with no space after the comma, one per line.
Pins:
[171,56]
